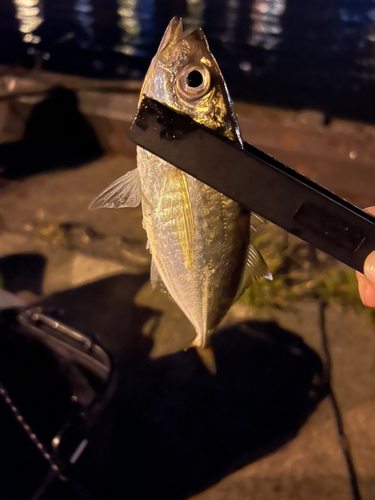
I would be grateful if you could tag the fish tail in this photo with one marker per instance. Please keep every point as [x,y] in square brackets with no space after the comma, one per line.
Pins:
[207,357]
[205,353]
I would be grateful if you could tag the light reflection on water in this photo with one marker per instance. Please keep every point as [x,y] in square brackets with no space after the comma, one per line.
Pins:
[358,35]
[30,17]
[136,23]
[232,17]
[85,17]
[368,61]
[311,51]
[257,23]
[194,13]
[266,27]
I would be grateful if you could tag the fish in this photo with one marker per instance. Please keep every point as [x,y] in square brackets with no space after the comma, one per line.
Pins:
[199,240]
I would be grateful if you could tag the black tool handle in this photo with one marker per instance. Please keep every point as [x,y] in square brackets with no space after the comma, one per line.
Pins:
[258,182]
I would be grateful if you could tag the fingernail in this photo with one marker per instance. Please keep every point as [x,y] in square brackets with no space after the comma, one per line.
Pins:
[369,268]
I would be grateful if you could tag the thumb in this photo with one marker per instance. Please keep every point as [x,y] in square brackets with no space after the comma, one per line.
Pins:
[369,268]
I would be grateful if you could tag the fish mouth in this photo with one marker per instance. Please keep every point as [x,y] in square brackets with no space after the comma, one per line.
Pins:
[175,27]
[178,30]
[175,33]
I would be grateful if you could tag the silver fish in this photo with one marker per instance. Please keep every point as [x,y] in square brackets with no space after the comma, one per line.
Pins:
[199,239]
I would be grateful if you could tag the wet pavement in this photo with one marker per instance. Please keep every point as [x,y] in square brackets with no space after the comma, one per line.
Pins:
[46,215]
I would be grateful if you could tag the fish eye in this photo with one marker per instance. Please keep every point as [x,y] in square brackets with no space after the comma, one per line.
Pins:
[194,79]
[193,82]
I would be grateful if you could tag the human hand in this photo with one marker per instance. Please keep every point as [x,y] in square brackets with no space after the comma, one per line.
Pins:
[366,281]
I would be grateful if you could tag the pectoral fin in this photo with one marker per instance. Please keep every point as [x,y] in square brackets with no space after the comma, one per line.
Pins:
[176,203]
[123,192]
[255,268]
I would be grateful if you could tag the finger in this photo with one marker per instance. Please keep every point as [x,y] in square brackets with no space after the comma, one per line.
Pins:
[362,286]
[367,293]
[366,290]
[369,268]
[366,281]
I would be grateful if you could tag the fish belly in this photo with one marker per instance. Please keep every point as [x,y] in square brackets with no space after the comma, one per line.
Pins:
[203,282]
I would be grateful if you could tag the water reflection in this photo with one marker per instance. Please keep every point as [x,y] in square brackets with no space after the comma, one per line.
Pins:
[30,17]
[232,16]
[136,23]
[194,13]
[315,54]
[266,28]
[368,61]
[85,17]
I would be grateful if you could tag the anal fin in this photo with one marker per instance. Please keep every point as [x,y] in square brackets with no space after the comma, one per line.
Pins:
[255,268]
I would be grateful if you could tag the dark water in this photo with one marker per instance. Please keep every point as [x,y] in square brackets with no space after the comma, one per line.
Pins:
[292,53]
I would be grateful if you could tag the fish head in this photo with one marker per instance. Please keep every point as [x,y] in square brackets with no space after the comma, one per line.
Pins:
[185,76]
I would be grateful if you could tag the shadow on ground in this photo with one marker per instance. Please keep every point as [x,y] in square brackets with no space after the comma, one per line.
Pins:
[184,429]
[23,271]
[172,429]
[56,135]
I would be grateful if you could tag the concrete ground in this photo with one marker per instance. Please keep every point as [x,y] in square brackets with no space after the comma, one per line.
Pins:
[47,214]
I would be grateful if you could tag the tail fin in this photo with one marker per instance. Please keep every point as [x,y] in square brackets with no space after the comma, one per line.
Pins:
[207,357]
